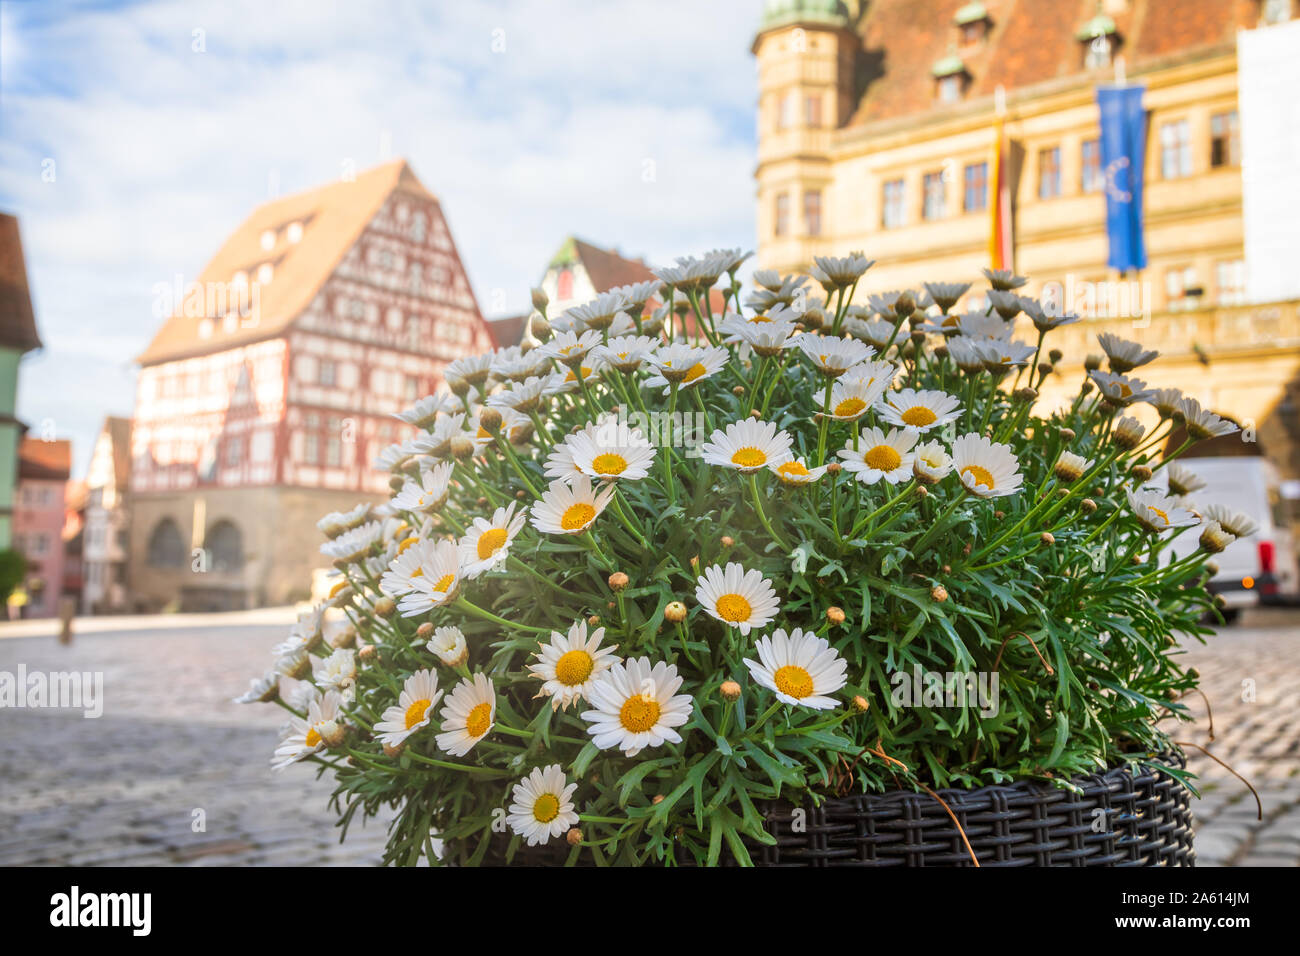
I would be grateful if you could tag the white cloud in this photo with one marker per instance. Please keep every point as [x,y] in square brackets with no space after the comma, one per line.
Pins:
[160,151]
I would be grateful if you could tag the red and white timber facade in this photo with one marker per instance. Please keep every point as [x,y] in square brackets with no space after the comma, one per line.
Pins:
[268,435]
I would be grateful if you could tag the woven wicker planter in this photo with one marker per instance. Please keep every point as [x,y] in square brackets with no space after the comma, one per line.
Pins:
[1148,823]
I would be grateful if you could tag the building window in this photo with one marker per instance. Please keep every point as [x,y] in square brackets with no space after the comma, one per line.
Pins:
[781,225]
[419,227]
[1093,180]
[974,31]
[411,389]
[1275,11]
[234,451]
[1175,150]
[311,439]
[225,547]
[1097,52]
[1181,291]
[949,88]
[1225,140]
[1049,173]
[934,196]
[328,372]
[812,111]
[976,188]
[812,212]
[165,549]
[891,206]
[1230,281]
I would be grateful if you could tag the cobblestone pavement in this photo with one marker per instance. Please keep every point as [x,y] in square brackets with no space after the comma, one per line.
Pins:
[121,789]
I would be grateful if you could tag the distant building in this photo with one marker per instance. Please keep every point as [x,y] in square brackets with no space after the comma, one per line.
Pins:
[106,532]
[263,405]
[38,520]
[580,271]
[877,123]
[18,336]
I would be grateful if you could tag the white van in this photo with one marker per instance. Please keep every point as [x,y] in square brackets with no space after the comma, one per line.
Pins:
[1260,568]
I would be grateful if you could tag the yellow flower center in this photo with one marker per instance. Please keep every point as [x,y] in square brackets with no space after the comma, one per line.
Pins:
[919,416]
[444,583]
[1124,390]
[546,808]
[609,463]
[793,681]
[490,542]
[417,573]
[479,720]
[639,714]
[407,542]
[734,608]
[850,406]
[577,516]
[415,713]
[952,321]
[482,433]
[748,457]
[793,469]
[979,476]
[338,586]
[883,458]
[574,667]
[1164,517]
[696,371]
[313,738]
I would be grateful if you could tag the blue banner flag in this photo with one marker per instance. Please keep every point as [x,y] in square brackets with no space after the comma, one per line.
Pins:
[1123,149]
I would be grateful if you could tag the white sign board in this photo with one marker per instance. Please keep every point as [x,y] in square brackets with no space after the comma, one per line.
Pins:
[1268,76]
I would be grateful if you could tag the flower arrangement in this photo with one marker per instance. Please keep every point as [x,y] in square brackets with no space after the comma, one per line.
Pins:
[678,560]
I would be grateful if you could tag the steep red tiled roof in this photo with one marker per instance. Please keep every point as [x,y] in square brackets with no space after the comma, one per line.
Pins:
[1029,41]
[17,321]
[608,269]
[508,330]
[44,460]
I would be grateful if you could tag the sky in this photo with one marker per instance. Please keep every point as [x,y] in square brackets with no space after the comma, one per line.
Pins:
[134,137]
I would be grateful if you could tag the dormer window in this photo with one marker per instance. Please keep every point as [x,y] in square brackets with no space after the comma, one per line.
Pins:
[1100,41]
[950,77]
[1275,11]
[973,24]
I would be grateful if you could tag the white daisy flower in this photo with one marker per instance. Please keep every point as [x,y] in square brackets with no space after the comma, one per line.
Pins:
[337,522]
[946,294]
[486,544]
[427,493]
[1123,355]
[1233,522]
[351,546]
[570,507]
[262,689]
[1118,390]
[571,347]
[1202,423]
[747,445]
[569,380]
[1001,356]
[919,410]
[765,337]
[738,598]
[980,327]
[413,710]
[879,455]
[424,576]
[838,272]
[599,313]
[796,472]
[560,465]
[965,355]
[543,805]
[322,728]
[437,444]
[931,463]
[634,707]
[875,332]
[515,364]
[834,356]
[1158,513]
[426,411]
[336,672]
[686,365]
[522,396]
[449,645]
[468,715]
[1165,401]
[472,369]
[1183,481]
[1070,467]
[859,389]
[569,663]
[986,468]
[627,353]
[611,449]
[802,669]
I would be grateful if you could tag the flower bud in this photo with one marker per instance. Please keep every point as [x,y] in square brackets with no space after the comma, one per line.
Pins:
[1092,362]
[396,482]
[1214,539]
[905,305]
[999,514]
[594,620]
[459,387]
[573,836]
[385,607]
[1211,568]
[727,541]
[860,704]
[675,612]
[921,491]
[657,798]
[834,468]
[1047,538]
[540,301]
[366,652]
[1067,434]
[939,593]
[738,390]
[1142,473]
[1026,394]
[617,581]
[490,419]
[730,690]
[1055,356]
[1128,433]
[540,328]
[394,751]
[835,615]
[462,447]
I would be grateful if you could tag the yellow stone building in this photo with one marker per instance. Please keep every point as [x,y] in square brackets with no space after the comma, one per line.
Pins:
[876,132]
